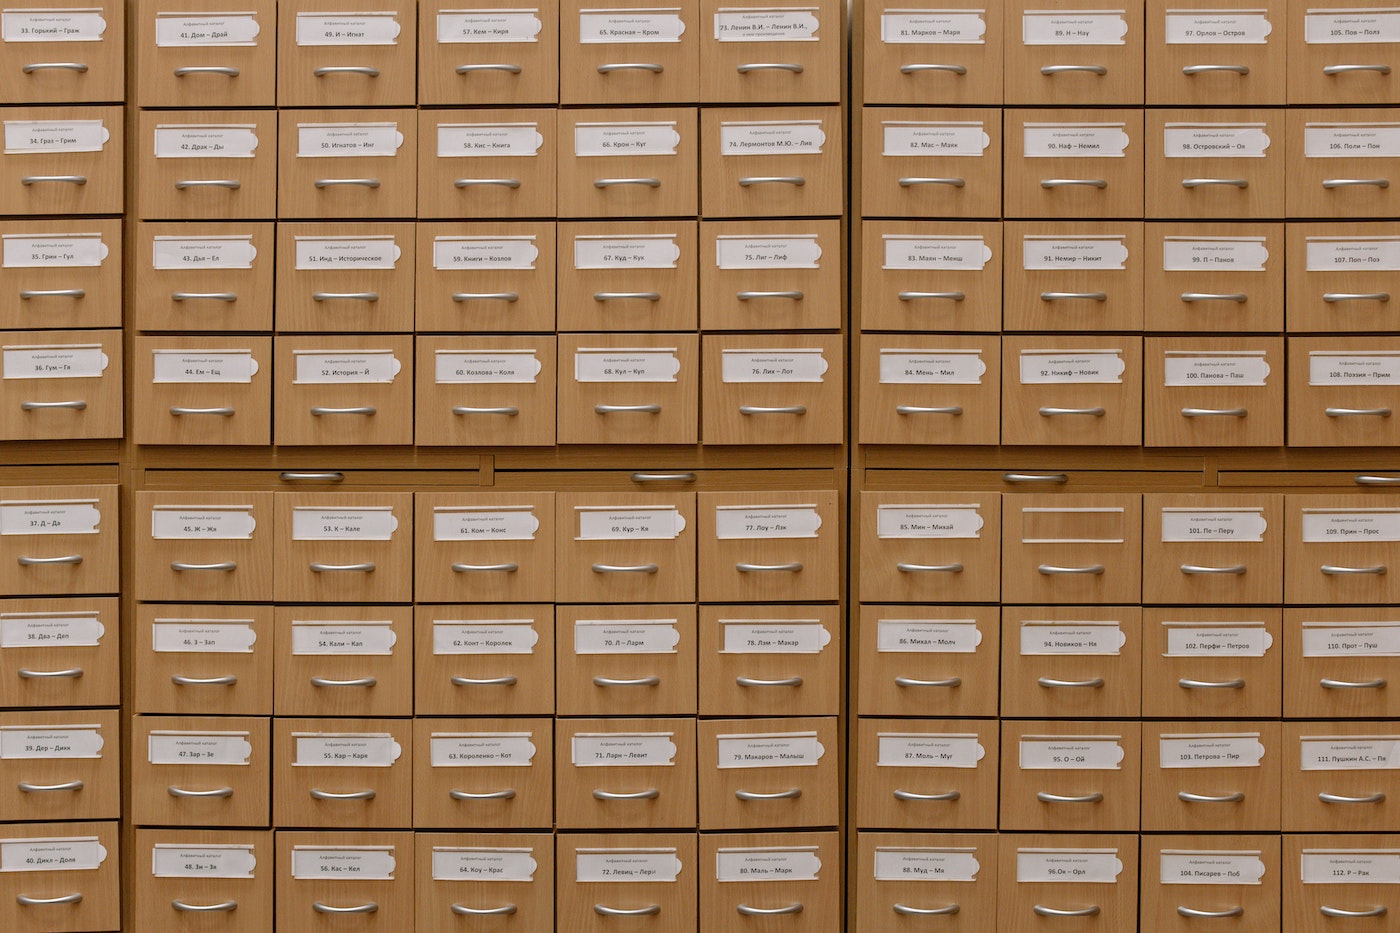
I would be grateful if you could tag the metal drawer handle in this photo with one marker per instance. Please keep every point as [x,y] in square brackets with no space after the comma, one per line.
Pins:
[912,682]
[1052,682]
[508,410]
[203,296]
[949,296]
[1238,297]
[181,566]
[323,908]
[903,567]
[916,69]
[1067,69]
[1215,412]
[332,182]
[183,792]
[604,911]
[26,901]
[1042,911]
[1052,570]
[1073,296]
[911,182]
[319,410]
[462,910]
[907,911]
[749,296]
[75,404]
[205,908]
[69,179]
[1356,412]
[664,477]
[485,296]
[1339,798]
[346,70]
[509,680]
[610,67]
[609,182]
[52,293]
[1048,412]
[748,911]
[1236,570]
[922,410]
[1035,478]
[1340,912]
[1364,480]
[623,296]
[648,409]
[232,184]
[319,794]
[1073,182]
[1189,684]
[496,182]
[749,180]
[1209,182]
[222,412]
[1332,570]
[27,673]
[911,795]
[344,296]
[769,66]
[292,476]
[485,568]
[366,567]
[509,69]
[38,561]
[1330,684]
[507,794]
[79,67]
[792,794]
[779,410]
[1210,914]
[1187,797]
[29,788]
[1331,297]
[790,567]
[355,682]
[1046,797]
[625,568]
[207,70]
[651,681]
[649,794]
[1205,69]
[228,680]
[1356,182]
[755,682]
[1345,69]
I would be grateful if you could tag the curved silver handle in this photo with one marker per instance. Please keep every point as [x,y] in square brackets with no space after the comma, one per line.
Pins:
[649,794]
[610,67]
[1331,297]
[1189,684]
[1205,69]
[625,568]
[492,182]
[1068,69]
[39,561]
[29,788]
[1073,182]
[916,69]
[1210,914]
[794,294]
[29,293]
[791,794]
[904,567]
[911,795]
[1235,570]
[319,794]
[1187,797]
[67,179]
[1334,570]
[1330,684]
[1340,912]
[648,409]
[222,412]
[623,296]
[232,184]
[1239,297]
[779,410]
[510,680]
[1356,183]
[1215,413]
[329,476]
[225,70]
[949,296]
[1047,797]
[508,410]
[795,180]
[507,794]
[346,70]
[1210,182]
[790,567]
[1059,478]
[1052,570]
[28,674]
[485,296]
[218,792]
[748,911]
[468,69]
[1345,69]
[912,181]
[226,565]
[907,911]
[485,568]
[664,477]
[26,901]
[913,682]
[79,67]
[651,681]
[1340,798]
[925,410]
[1042,911]
[604,911]
[1049,412]
[354,682]
[345,296]
[220,907]
[1072,296]
[333,182]
[756,682]
[75,404]
[203,296]
[1364,480]
[1052,682]
[319,410]
[228,680]
[323,908]
[462,910]
[366,567]
[769,66]
[1356,412]
[609,182]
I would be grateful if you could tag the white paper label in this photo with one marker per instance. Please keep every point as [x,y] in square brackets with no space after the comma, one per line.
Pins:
[202,636]
[925,750]
[626,139]
[623,750]
[1083,27]
[485,523]
[347,252]
[1085,252]
[1217,27]
[354,367]
[1322,525]
[779,24]
[1074,140]
[75,361]
[1332,368]
[795,365]
[658,251]
[1045,753]
[332,750]
[347,140]
[347,29]
[476,140]
[500,367]
[1351,866]
[596,27]
[1363,639]
[210,522]
[625,365]
[932,636]
[799,864]
[462,26]
[1072,638]
[372,523]
[451,864]
[767,137]
[1210,751]
[1214,254]
[931,367]
[741,522]
[928,521]
[1351,141]
[175,860]
[933,27]
[1214,141]
[203,252]
[481,750]
[1334,254]
[75,853]
[206,141]
[52,251]
[1039,367]
[1186,640]
[76,517]
[1211,868]
[603,523]
[1348,753]
[25,136]
[1188,524]
[50,630]
[190,30]
[767,252]
[642,636]
[190,748]
[1194,368]
[359,639]
[935,139]
[203,366]
[776,750]
[57,25]
[507,636]
[343,863]
[50,742]
[1345,27]
[772,636]
[1087,866]
[926,864]
[970,253]
[477,253]
[626,865]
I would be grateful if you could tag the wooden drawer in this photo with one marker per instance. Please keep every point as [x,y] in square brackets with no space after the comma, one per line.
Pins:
[208,390]
[1213,277]
[1227,550]
[1066,52]
[346,52]
[481,658]
[745,784]
[899,884]
[195,164]
[484,547]
[1201,53]
[1031,898]
[649,558]
[934,389]
[1208,663]
[928,660]
[1187,878]
[97,881]
[1341,277]
[773,389]
[60,764]
[60,279]
[625,660]
[1080,390]
[907,60]
[62,160]
[932,547]
[318,782]
[310,888]
[60,544]
[343,661]
[1314,897]
[1073,548]
[926,773]
[1074,276]
[479,874]
[485,278]
[505,56]
[193,547]
[203,276]
[770,660]
[792,882]
[199,771]
[637,276]
[629,52]
[756,54]
[650,881]
[1324,41]
[1213,392]
[63,56]
[1071,662]
[345,278]
[922,276]
[61,385]
[1339,662]
[375,178]
[769,547]
[237,69]
[496,773]
[1338,551]
[1345,163]
[628,389]
[624,773]
[203,660]
[204,879]
[486,163]
[772,161]
[1070,775]
[1209,163]
[344,390]
[1073,163]
[1336,777]
[921,162]
[1206,777]
[59,652]
[628,163]
[771,274]
[366,556]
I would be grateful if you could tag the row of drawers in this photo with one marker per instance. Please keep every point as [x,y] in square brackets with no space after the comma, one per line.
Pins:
[402,163]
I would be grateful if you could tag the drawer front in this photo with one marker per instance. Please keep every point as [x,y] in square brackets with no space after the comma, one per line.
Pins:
[625,660]
[1232,786]
[466,57]
[1328,784]
[1083,789]
[749,175]
[60,652]
[201,772]
[464,284]
[750,791]
[345,278]
[100,886]
[1212,550]
[1209,663]
[1331,185]
[628,388]
[1338,663]
[194,547]
[342,796]
[454,880]
[316,71]
[1094,408]
[304,891]
[930,547]
[588,902]
[1100,68]
[222,286]
[627,276]
[486,163]
[895,895]
[1233,287]
[1338,551]
[360,186]
[771,275]
[935,389]
[770,661]
[328,409]
[744,403]
[808,900]
[1182,411]
[41,406]
[1071,662]
[60,764]
[592,793]
[90,66]
[343,661]
[926,774]
[496,773]
[928,660]
[1324,37]
[921,276]
[195,164]
[1074,276]
[1170,902]
[484,547]
[367,556]
[201,660]
[619,55]
[1206,163]
[924,163]
[1027,902]
[477,657]
[169,896]
[906,64]
[43,179]
[1072,548]
[755,55]
[1339,280]
[203,390]
[649,559]
[611,169]
[1040,183]
[231,75]
[769,547]
[76,556]
[57,280]
[1191,63]
[1313,901]
[1333,401]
